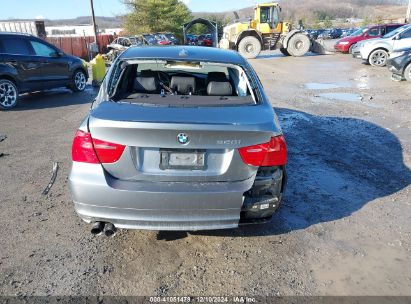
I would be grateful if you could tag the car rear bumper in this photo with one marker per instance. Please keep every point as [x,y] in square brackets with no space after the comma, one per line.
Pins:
[184,206]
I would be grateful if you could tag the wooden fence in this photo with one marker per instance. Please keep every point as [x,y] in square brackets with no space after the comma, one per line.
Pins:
[78,46]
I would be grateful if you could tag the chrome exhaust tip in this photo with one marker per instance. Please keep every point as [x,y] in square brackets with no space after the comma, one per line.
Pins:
[109,229]
[97,228]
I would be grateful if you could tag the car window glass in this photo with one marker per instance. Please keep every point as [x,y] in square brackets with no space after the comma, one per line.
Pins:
[41,49]
[373,32]
[383,31]
[15,46]
[265,15]
[406,34]
[391,28]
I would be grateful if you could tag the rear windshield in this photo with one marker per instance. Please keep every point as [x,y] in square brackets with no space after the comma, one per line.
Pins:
[180,83]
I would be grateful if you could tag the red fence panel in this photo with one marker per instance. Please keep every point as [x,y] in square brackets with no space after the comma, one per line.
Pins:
[77,46]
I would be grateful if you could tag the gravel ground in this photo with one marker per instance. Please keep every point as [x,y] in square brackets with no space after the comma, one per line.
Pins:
[344,227]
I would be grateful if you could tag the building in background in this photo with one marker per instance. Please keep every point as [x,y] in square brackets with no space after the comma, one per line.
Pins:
[113,31]
[32,27]
[70,30]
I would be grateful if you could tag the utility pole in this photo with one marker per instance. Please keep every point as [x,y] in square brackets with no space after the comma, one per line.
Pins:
[409,12]
[408,17]
[94,23]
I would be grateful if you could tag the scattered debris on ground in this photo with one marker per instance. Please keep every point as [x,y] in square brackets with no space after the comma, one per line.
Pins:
[53,179]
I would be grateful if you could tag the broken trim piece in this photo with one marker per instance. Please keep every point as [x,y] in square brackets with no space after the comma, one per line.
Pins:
[52,180]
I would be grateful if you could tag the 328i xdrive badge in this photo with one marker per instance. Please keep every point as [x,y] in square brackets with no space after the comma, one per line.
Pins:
[183,138]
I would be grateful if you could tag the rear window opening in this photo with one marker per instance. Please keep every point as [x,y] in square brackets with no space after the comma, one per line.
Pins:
[181,83]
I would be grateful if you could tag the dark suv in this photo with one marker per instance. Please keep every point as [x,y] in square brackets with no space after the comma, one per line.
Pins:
[29,64]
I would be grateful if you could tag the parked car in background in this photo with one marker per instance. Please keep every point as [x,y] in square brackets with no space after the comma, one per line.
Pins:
[29,64]
[162,39]
[330,34]
[399,63]
[191,39]
[376,51]
[178,142]
[173,40]
[314,34]
[205,40]
[122,43]
[347,44]
[150,39]
[348,32]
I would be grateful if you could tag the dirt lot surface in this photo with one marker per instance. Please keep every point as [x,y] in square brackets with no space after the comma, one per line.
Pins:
[344,227]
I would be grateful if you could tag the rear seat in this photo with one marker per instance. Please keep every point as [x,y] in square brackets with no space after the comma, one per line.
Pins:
[218,85]
[147,82]
[183,84]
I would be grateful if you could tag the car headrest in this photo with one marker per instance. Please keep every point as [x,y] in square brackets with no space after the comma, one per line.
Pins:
[147,82]
[222,88]
[148,73]
[216,76]
[183,84]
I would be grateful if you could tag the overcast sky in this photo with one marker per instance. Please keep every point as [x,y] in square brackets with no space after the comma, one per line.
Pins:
[60,9]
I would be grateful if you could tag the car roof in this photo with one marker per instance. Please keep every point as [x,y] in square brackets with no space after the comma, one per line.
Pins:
[16,34]
[191,53]
[388,24]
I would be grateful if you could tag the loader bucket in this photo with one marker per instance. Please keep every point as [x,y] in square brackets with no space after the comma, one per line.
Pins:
[319,47]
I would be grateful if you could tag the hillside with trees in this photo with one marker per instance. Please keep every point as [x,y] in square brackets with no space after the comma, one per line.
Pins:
[169,15]
[315,11]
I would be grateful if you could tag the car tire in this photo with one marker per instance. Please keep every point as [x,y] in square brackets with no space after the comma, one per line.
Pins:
[284,51]
[407,72]
[78,81]
[378,58]
[249,47]
[298,45]
[9,94]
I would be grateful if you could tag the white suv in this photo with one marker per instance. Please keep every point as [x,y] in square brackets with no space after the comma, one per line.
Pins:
[376,51]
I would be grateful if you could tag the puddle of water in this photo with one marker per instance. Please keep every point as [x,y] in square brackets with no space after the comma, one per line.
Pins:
[325,86]
[341,96]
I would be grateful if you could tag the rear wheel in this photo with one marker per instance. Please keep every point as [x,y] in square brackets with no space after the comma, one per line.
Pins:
[407,72]
[284,51]
[8,94]
[78,82]
[249,47]
[378,58]
[298,45]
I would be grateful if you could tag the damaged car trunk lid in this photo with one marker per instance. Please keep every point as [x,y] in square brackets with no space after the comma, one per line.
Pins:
[152,136]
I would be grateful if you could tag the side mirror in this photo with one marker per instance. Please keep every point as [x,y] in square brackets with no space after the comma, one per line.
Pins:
[397,37]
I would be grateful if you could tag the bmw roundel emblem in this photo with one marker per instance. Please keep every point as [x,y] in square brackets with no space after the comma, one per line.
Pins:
[182,138]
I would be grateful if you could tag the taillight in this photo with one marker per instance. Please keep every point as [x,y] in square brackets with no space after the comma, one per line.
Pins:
[273,153]
[107,152]
[94,151]
[82,150]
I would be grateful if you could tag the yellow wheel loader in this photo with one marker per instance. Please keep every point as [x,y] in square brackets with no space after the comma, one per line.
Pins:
[265,32]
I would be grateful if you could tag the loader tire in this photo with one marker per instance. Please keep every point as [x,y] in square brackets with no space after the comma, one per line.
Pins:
[298,45]
[249,47]
[284,51]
